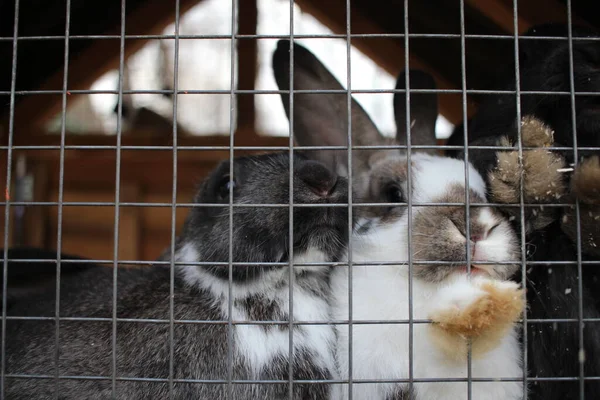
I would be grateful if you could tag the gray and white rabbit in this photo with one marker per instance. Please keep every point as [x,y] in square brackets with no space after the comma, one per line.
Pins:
[481,307]
[207,350]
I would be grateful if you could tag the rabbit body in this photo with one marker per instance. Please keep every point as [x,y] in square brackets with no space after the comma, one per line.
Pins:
[381,293]
[200,350]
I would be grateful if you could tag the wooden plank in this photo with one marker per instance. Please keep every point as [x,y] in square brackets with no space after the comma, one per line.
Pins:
[158,219]
[2,186]
[36,217]
[87,246]
[530,13]
[2,211]
[135,164]
[83,220]
[155,243]
[130,224]
[386,52]
[6,193]
[150,17]
[498,12]
[100,219]
[247,63]
[243,137]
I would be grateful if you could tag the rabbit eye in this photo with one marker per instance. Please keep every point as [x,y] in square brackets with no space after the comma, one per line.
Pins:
[489,232]
[393,194]
[225,186]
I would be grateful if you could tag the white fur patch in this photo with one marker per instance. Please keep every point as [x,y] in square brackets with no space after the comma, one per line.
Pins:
[432,175]
[259,346]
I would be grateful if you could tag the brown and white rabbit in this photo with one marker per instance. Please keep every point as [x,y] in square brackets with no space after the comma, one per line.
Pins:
[482,310]
[199,362]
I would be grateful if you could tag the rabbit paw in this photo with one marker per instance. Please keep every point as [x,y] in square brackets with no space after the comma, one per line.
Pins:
[585,183]
[585,186]
[482,314]
[542,171]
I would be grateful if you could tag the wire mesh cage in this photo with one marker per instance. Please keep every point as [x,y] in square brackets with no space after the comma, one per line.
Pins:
[277,199]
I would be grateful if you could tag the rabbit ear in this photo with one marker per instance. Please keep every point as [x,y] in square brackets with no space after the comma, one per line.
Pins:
[423,109]
[321,119]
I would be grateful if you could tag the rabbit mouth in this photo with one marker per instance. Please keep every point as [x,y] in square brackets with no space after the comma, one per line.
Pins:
[476,269]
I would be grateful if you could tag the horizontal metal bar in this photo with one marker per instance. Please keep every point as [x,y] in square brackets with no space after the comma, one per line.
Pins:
[331,381]
[181,92]
[283,264]
[275,323]
[283,205]
[280,148]
[297,37]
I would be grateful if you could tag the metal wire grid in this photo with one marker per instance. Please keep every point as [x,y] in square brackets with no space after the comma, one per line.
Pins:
[175,148]
[7,207]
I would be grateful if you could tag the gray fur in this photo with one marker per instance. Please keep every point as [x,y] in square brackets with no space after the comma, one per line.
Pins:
[402,392]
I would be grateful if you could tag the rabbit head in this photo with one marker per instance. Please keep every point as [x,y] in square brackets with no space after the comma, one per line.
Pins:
[261,234]
[438,233]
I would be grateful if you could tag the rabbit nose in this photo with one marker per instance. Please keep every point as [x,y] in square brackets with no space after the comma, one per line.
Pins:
[318,177]
[476,238]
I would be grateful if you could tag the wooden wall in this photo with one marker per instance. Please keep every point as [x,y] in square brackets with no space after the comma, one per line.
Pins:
[89,230]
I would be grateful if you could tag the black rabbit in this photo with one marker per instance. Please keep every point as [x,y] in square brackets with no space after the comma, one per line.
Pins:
[554,348]
[205,350]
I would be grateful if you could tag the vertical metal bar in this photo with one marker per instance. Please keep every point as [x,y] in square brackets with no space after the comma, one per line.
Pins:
[231,177]
[349,133]
[581,352]
[411,373]
[291,212]
[173,203]
[521,196]
[11,129]
[463,73]
[117,197]
[61,188]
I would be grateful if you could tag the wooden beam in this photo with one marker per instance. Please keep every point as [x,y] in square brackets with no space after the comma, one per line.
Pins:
[135,164]
[530,13]
[130,223]
[36,218]
[90,245]
[86,219]
[247,63]
[243,137]
[150,17]
[498,12]
[3,171]
[386,52]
